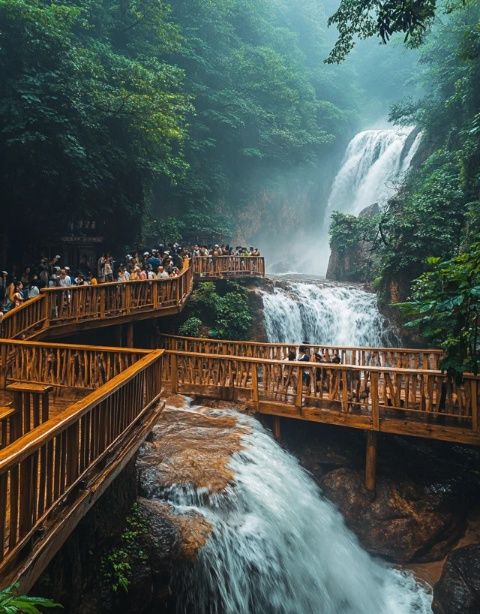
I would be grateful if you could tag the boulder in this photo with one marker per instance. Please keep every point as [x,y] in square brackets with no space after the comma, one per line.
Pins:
[458,590]
[404,522]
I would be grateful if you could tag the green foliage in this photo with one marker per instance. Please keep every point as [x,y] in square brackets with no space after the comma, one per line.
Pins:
[90,115]
[190,328]
[233,319]
[445,307]
[117,565]
[427,218]
[382,18]
[12,603]
[264,104]
[348,231]
[227,314]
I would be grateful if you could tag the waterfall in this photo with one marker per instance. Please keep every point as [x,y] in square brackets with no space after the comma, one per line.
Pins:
[325,314]
[279,547]
[374,163]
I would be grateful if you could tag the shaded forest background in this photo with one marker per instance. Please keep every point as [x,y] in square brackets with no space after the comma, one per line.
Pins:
[186,120]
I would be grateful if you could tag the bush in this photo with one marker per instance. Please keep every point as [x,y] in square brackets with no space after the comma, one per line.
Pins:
[12,603]
[190,328]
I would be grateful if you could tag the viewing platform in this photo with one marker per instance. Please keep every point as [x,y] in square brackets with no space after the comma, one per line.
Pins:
[77,415]
[58,312]
[72,416]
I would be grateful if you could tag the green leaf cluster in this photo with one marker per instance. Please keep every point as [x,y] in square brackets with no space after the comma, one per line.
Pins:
[445,308]
[91,114]
[117,564]
[13,603]
[227,314]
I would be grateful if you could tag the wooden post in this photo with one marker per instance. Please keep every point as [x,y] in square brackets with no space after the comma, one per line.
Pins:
[298,398]
[276,428]
[474,404]
[130,335]
[118,335]
[374,397]
[3,365]
[255,386]
[173,367]
[371,461]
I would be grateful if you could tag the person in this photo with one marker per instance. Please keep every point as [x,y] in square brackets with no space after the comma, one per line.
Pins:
[304,356]
[64,280]
[162,273]
[154,260]
[3,285]
[33,289]
[101,268]
[18,298]
[123,274]
[135,276]
[108,268]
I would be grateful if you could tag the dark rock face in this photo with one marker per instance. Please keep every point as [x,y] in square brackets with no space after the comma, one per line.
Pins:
[353,263]
[405,522]
[423,488]
[458,590]
[73,577]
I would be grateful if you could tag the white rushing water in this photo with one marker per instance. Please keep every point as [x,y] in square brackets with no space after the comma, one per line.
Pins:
[325,314]
[373,165]
[279,547]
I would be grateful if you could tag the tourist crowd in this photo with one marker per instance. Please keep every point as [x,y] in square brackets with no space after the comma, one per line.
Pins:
[161,262]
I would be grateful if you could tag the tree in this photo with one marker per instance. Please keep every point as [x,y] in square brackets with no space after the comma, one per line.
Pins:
[87,119]
[445,307]
[382,18]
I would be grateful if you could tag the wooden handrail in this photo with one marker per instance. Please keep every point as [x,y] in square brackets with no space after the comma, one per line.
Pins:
[298,344]
[62,365]
[43,467]
[316,365]
[396,357]
[229,266]
[361,396]
[30,317]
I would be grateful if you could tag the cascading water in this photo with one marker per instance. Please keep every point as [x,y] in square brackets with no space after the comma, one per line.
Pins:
[278,547]
[325,314]
[374,163]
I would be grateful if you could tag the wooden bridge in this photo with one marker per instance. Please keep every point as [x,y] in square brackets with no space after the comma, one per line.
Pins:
[59,312]
[72,416]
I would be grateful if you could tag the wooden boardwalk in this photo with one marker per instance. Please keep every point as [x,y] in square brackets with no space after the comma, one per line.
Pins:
[58,312]
[72,416]
[55,466]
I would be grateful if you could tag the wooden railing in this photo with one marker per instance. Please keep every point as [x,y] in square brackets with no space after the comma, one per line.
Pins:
[410,401]
[63,365]
[64,308]
[407,358]
[57,308]
[229,266]
[113,300]
[44,475]
[25,321]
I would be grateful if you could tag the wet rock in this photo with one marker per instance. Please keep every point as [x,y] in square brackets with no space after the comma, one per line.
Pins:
[190,449]
[405,522]
[458,590]
[171,536]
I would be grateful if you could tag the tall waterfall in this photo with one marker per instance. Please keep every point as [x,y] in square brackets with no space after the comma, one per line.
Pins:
[326,314]
[374,163]
[279,547]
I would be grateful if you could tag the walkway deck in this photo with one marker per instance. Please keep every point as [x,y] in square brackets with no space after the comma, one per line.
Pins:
[415,402]
[57,312]
[55,467]
[72,416]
